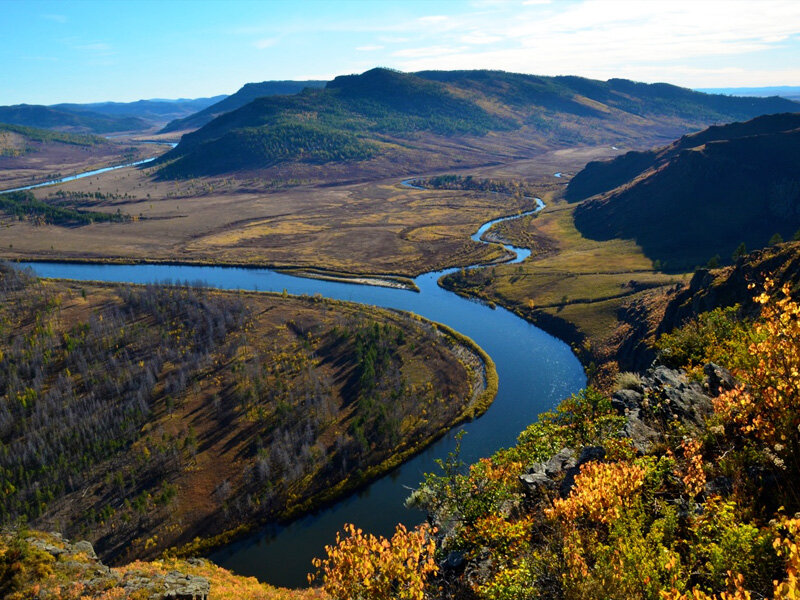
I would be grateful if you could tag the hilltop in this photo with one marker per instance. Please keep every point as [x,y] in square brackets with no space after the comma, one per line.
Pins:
[247,93]
[386,121]
[700,197]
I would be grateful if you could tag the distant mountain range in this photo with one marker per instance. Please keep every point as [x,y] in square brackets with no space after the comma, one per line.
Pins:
[384,113]
[157,110]
[700,197]
[103,117]
[786,91]
[246,94]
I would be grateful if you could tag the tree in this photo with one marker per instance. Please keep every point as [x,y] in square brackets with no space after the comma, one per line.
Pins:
[775,239]
[741,250]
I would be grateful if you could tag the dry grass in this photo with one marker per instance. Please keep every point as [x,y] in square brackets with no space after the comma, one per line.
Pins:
[365,228]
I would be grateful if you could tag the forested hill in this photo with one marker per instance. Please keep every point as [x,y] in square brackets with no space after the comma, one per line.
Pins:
[246,94]
[702,197]
[46,117]
[378,113]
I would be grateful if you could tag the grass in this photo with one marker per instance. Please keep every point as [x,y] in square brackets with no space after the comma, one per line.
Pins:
[364,229]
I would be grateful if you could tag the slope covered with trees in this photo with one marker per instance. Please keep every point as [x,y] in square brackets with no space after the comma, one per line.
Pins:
[426,111]
[46,117]
[246,94]
[142,417]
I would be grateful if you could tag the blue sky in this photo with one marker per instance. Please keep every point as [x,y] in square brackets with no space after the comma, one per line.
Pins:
[84,51]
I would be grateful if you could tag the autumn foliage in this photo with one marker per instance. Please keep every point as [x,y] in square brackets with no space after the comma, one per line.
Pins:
[361,566]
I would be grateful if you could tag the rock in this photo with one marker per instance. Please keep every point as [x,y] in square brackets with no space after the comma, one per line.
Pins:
[536,484]
[718,379]
[185,587]
[86,548]
[454,560]
[623,400]
[561,461]
[670,396]
[588,454]
[641,434]
[540,476]
[719,486]
[45,546]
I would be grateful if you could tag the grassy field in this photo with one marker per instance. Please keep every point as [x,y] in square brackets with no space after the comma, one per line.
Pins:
[365,228]
[25,160]
[219,410]
[570,285]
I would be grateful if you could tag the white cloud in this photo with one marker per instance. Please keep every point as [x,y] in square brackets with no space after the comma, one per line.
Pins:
[692,42]
[265,43]
[480,38]
[369,48]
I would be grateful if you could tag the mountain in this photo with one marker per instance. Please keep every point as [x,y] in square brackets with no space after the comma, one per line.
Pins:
[401,121]
[701,196]
[157,111]
[785,91]
[46,117]
[246,94]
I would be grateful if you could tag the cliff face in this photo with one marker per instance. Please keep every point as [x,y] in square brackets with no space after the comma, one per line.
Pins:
[661,312]
[701,196]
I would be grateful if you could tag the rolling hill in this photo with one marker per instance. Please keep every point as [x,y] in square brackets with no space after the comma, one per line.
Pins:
[246,94]
[701,196]
[402,121]
[46,117]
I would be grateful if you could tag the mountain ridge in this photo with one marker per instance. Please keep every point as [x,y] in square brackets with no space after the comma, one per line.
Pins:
[522,112]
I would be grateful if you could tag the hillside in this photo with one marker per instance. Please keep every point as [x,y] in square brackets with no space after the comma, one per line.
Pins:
[389,121]
[46,117]
[144,417]
[700,197]
[245,95]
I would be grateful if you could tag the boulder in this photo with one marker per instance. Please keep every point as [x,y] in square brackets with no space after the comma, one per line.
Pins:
[86,548]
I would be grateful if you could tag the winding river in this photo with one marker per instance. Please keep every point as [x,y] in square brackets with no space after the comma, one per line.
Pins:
[535,371]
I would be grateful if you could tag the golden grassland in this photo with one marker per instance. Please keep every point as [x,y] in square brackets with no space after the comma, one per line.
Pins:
[43,161]
[366,228]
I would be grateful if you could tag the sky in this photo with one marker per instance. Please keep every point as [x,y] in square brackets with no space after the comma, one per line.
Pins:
[120,50]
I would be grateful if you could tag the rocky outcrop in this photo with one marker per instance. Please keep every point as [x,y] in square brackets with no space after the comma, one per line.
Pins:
[80,562]
[662,398]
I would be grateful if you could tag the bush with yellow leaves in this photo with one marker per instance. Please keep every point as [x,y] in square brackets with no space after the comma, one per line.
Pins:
[365,567]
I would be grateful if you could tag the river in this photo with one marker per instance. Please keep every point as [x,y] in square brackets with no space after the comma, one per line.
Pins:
[535,371]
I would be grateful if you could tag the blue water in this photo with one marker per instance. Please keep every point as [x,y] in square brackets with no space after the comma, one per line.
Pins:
[535,371]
